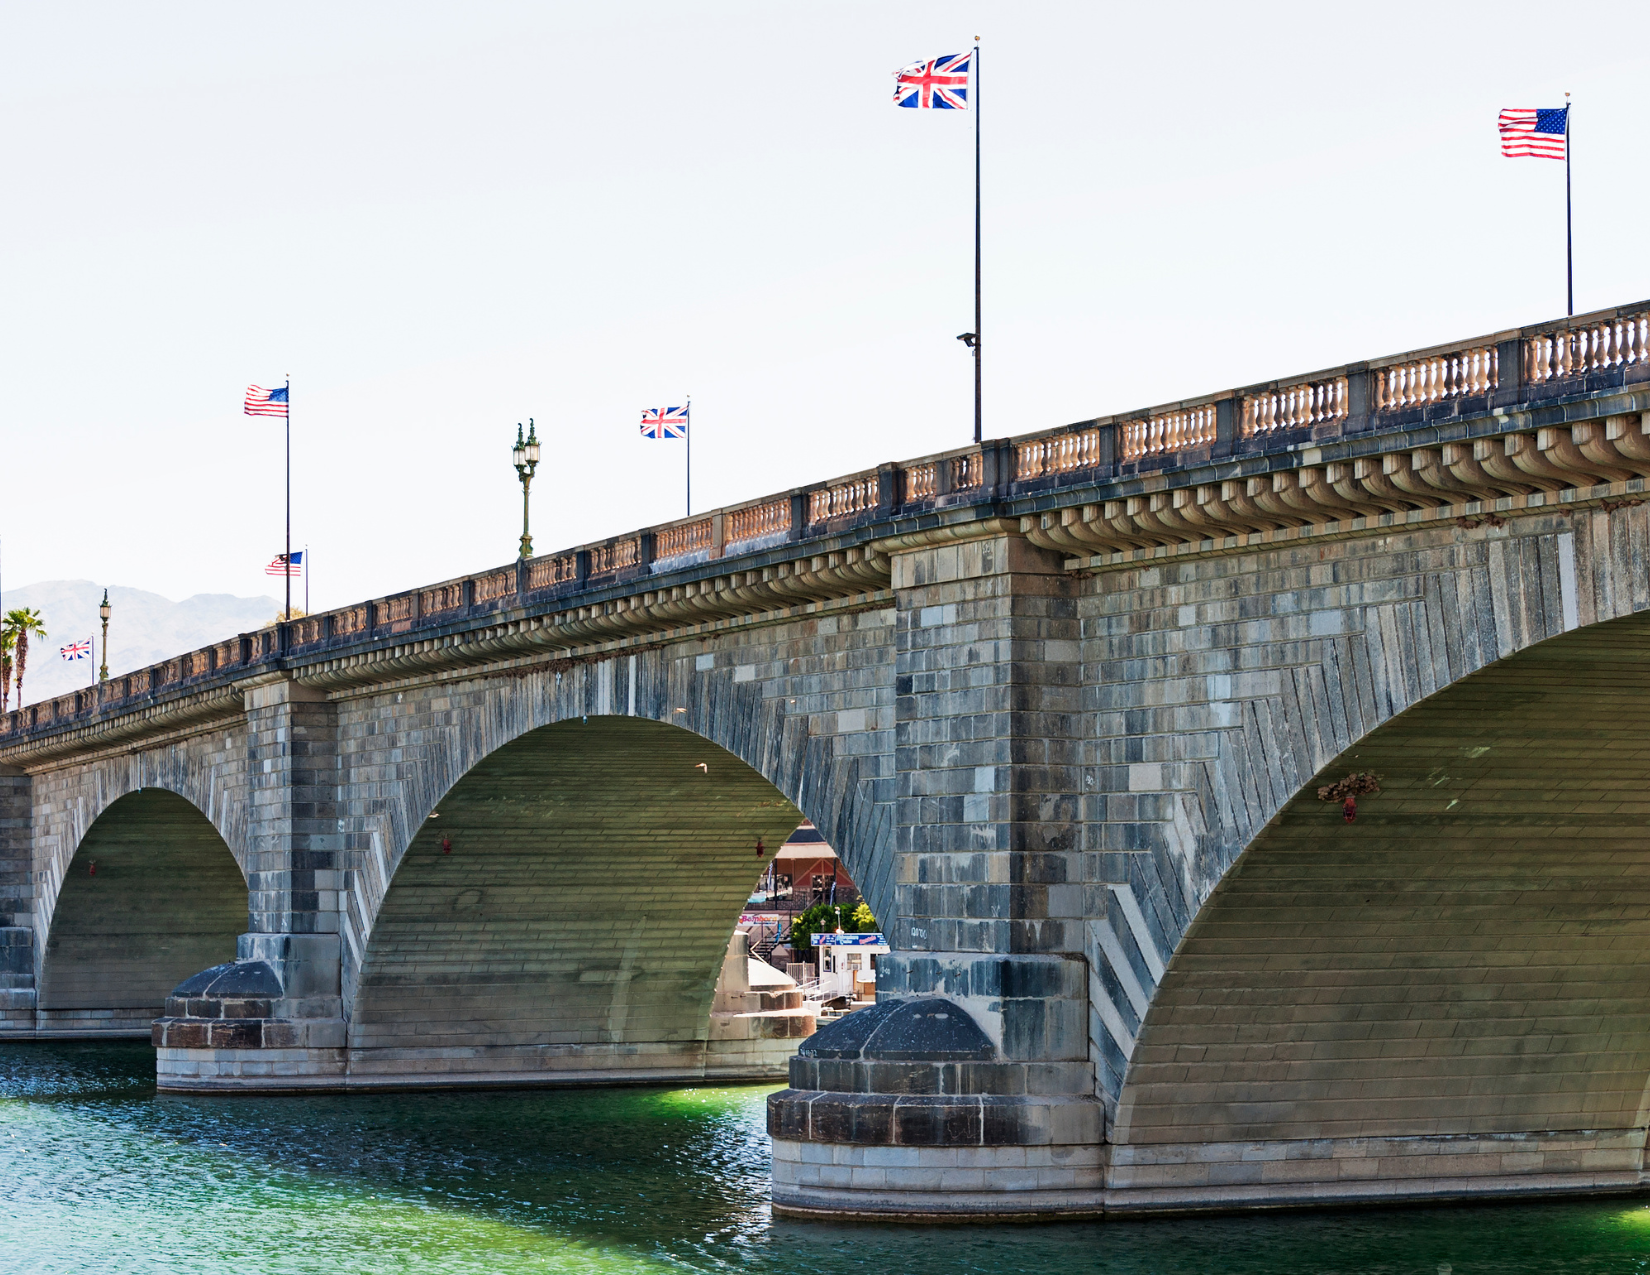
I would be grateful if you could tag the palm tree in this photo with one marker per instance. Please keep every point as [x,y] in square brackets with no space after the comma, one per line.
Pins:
[21,623]
[5,666]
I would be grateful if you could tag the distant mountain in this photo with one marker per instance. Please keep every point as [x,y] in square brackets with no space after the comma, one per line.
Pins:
[144,628]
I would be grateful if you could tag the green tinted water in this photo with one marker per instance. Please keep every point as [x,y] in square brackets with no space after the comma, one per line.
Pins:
[99,1173]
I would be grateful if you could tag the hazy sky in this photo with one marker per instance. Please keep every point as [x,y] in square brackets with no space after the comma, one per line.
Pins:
[444,219]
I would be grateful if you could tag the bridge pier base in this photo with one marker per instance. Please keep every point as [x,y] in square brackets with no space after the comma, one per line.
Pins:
[273,1012]
[911,1111]
[17,993]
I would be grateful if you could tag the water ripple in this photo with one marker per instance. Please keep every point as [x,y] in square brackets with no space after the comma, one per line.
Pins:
[102,1174]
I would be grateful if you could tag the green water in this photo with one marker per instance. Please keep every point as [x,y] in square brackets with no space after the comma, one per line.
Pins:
[99,1173]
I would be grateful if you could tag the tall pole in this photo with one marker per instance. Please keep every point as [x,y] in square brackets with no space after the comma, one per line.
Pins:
[689,414]
[288,565]
[1569,249]
[526,527]
[977,337]
[103,611]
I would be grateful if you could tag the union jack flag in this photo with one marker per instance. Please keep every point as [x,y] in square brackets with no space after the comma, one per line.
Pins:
[76,650]
[939,84]
[664,422]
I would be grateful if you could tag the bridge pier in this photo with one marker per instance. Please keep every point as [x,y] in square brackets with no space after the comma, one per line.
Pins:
[17,990]
[274,1016]
[969,1088]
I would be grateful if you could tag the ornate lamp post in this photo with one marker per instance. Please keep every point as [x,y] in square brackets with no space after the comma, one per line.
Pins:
[103,610]
[526,459]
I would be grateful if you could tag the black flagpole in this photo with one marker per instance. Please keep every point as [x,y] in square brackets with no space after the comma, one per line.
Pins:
[1569,248]
[976,239]
[288,563]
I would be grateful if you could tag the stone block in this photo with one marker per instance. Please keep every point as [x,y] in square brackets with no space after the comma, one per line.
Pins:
[243,1034]
[184,1034]
[892,1157]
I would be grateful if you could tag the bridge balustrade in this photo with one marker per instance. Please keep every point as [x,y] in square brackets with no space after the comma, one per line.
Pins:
[1590,346]
[1290,407]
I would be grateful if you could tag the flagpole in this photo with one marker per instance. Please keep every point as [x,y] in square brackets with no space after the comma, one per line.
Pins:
[306,577]
[288,563]
[1569,245]
[689,414]
[977,341]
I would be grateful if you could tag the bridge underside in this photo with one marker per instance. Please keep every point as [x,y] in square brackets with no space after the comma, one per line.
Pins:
[152,895]
[1450,995]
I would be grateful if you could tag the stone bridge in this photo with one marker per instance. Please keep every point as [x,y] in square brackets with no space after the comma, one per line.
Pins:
[1063,703]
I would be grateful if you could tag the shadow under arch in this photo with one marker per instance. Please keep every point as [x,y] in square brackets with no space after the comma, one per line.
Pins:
[165,899]
[566,909]
[1453,988]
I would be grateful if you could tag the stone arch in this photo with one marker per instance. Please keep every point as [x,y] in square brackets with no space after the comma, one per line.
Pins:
[566,907]
[1456,984]
[207,771]
[847,794]
[151,894]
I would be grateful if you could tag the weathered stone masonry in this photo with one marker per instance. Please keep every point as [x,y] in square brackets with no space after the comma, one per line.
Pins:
[1062,703]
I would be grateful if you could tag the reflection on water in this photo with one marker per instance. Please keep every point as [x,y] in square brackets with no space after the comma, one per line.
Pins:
[102,1174]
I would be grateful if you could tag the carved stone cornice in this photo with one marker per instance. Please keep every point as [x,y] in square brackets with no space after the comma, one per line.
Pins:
[842,574]
[953,533]
[1497,476]
[154,724]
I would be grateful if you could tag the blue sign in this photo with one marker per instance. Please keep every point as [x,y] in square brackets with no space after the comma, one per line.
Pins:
[849,940]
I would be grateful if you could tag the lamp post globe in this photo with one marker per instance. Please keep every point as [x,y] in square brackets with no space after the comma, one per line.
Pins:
[525,457]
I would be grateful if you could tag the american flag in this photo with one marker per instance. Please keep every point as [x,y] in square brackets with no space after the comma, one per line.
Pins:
[76,650]
[1534,133]
[280,566]
[940,83]
[261,402]
[664,422]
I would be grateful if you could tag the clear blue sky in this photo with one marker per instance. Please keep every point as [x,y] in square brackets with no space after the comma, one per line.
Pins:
[443,219]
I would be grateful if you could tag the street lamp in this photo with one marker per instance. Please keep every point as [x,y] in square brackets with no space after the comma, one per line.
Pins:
[103,610]
[526,459]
